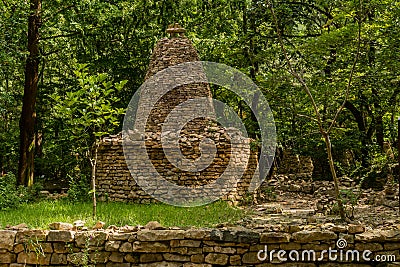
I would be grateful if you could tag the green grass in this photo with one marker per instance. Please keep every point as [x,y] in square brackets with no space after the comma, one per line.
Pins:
[39,215]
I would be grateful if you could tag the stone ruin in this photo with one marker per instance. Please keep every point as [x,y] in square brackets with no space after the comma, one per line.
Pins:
[118,181]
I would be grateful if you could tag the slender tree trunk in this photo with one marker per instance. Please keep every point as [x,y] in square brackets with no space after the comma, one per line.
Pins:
[324,133]
[28,115]
[93,162]
[328,145]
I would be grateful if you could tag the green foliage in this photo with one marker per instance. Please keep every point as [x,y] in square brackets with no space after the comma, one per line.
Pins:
[12,197]
[248,199]
[9,197]
[88,111]
[79,189]
[270,193]
[35,246]
[378,172]
[112,42]
[349,199]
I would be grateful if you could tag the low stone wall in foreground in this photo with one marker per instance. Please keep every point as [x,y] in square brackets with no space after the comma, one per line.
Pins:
[130,246]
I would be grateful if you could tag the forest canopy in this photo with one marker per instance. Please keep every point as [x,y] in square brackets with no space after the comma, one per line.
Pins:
[104,47]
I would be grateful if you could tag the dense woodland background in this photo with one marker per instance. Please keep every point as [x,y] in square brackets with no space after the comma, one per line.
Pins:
[92,55]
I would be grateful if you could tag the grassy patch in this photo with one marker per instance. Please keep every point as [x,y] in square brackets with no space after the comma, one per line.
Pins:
[39,215]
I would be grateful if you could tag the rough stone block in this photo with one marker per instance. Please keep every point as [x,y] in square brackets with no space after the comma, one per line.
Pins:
[368,246]
[193,251]
[7,239]
[250,258]
[235,260]
[79,258]
[225,250]
[240,236]
[26,235]
[132,258]
[273,238]
[126,247]
[61,248]
[159,235]
[99,257]
[151,247]
[119,236]
[176,257]
[58,259]
[116,257]
[7,257]
[60,236]
[61,226]
[215,258]
[306,236]
[371,236]
[392,246]
[198,258]
[199,234]
[151,257]
[112,245]
[113,264]
[190,264]
[33,258]
[93,238]
[190,243]
[356,229]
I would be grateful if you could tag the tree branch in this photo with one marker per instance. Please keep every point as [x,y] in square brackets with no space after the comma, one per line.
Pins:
[294,73]
[311,6]
[58,12]
[59,36]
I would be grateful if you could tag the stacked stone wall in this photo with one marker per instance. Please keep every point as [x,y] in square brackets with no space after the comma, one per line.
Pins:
[130,246]
[115,183]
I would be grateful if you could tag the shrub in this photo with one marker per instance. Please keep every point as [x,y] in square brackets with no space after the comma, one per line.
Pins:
[12,196]
[9,197]
[79,188]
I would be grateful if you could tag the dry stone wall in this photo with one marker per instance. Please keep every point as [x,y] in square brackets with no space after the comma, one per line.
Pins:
[115,183]
[130,246]
[292,163]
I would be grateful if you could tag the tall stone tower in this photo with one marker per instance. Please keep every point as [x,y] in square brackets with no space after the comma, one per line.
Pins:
[116,182]
[170,52]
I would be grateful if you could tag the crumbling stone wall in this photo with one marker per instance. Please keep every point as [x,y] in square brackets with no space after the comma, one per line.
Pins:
[130,246]
[294,164]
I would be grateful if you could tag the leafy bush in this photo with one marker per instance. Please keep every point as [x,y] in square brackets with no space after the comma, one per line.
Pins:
[378,172]
[9,197]
[79,188]
[12,197]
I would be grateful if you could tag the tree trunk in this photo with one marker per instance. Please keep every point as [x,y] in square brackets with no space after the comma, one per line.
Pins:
[338,197]
[28,115]
[93,162]
[364,135]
